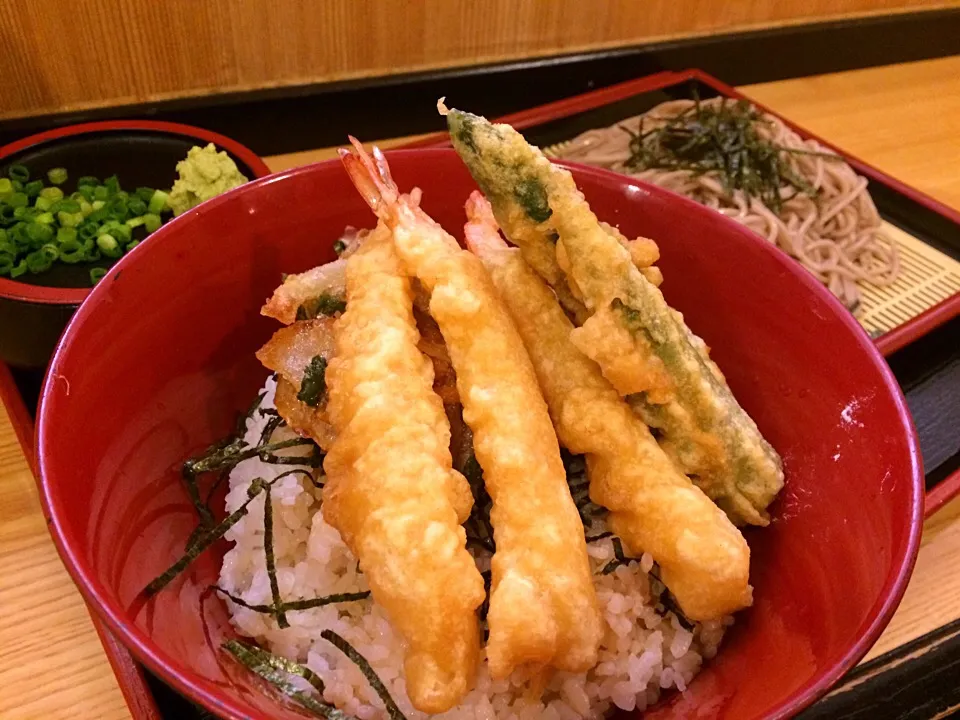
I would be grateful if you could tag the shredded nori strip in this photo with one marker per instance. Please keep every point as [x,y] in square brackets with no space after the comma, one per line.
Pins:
[280,615]
[270,428]
[576,469]
[254,406]
[665,598]
[313,387]
[619,558]
[361,662]
[484,608]
[276,671]
[722,139]
[478,527]
[669,603]
[290,605]
[596,538]
[300,471]
[203,540]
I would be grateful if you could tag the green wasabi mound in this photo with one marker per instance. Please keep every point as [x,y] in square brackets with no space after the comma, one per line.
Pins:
[204,174]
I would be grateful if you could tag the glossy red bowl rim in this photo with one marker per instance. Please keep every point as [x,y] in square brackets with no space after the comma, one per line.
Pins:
[44,295]
[164,666]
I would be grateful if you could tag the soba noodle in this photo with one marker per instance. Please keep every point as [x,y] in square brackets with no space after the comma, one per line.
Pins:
[834,232]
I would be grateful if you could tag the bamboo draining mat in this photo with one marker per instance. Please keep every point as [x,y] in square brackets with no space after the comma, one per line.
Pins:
[927,277]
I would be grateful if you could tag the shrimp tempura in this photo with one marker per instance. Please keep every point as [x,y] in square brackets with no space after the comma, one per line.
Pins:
[704,560]
[391,490]
[543,606]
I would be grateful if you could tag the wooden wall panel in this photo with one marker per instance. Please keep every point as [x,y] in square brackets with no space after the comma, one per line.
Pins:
[60,55]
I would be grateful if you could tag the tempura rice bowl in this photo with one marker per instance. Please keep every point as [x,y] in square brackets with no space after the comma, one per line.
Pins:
[158,362]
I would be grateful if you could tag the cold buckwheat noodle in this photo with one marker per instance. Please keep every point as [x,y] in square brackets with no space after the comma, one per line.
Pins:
[832,227]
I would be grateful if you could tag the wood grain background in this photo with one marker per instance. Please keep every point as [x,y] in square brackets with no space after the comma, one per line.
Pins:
[67,55]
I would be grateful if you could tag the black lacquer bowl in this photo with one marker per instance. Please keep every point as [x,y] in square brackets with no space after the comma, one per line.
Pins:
[34,309]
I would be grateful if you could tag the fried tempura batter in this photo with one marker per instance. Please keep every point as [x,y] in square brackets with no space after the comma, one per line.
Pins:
[543,607]
[288,353]
[297,290]
[704,559]
[391,490]
[525,217]
[704,429]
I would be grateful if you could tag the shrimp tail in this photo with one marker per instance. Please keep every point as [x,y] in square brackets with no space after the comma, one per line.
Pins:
[482,234]
[370,175]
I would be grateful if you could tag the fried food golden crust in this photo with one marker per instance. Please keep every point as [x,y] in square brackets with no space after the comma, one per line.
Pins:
[543,606]
[288,353]
[704,559]
[705,430]
[391,490]
[299,289]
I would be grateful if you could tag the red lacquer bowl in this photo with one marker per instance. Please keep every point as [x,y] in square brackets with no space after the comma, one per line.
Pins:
[156,364]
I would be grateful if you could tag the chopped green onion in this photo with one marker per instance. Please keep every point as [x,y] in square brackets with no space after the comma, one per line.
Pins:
[101,192]
[6,214]
[39,233]
[45,218]
[87,181]
[67,234]
[6,263]
[86,192]
[112,184]
[67,219]
[19,269]
[152,222]
[117,207]
[58,176]
[6,187]
[109,246]
[51,251]
[18,199]
[52,193]
[136,206]
[42,203]
[136,222]
[97,274]
[158,203]
[145,193]
[87,231]
[32,189]
[18,173]
[132,245]
[38,262]
[97,216]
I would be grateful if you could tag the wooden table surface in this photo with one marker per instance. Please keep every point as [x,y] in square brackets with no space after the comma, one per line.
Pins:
[905,119]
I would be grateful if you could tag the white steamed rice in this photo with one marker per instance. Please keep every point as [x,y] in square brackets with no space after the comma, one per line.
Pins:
[642,654]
